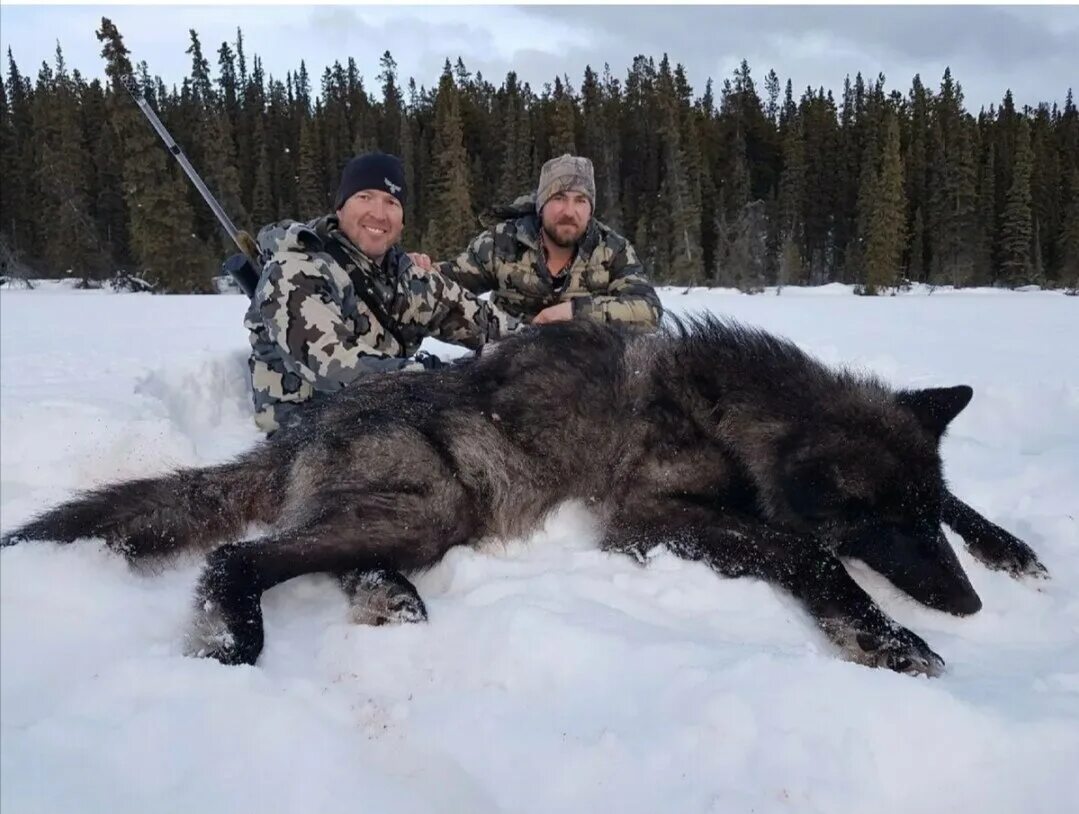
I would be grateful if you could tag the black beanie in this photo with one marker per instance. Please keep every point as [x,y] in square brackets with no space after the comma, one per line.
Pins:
[372,171]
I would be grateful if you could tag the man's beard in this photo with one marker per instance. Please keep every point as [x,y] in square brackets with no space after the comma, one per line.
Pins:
[560,242]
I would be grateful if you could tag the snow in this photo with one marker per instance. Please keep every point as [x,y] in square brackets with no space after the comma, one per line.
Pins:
[551,677]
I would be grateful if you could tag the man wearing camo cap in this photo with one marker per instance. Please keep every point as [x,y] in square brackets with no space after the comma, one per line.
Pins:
[549,259]
[338,298]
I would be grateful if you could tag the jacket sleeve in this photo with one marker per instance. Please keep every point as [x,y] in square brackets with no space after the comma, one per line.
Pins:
[630,298]
[297,300]
[448,312]
[474,267]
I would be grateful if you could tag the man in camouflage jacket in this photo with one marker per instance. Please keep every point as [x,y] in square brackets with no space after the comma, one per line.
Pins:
[338,298]
[550,259]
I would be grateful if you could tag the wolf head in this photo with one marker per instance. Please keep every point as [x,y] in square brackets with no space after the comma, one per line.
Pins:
[872,484]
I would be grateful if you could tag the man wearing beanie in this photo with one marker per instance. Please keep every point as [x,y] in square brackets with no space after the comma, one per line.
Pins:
[338,298]
[549,259]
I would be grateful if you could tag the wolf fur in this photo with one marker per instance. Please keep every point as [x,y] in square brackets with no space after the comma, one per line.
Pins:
[725,444]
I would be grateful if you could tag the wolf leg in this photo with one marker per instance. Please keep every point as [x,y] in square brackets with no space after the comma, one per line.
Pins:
[734,546]
[382,597]
[989,543]
[404,530]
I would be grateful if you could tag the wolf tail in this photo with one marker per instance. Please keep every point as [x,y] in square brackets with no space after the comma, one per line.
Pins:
[158,516]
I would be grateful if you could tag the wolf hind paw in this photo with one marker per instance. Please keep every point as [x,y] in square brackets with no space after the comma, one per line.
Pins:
[383,598]
[211,636]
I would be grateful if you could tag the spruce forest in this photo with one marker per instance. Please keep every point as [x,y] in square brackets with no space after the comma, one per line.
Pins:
[748,184]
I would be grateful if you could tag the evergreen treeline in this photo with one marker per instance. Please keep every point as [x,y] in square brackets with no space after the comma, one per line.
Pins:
[746,187]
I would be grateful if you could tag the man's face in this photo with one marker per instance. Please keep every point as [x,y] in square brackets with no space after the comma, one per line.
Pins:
[373,220]
[565,217]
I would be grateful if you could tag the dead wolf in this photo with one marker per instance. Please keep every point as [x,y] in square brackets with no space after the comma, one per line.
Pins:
[725,444]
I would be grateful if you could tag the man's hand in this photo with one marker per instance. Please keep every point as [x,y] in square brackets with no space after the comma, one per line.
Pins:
[422,260]
[554,313]
[423,360]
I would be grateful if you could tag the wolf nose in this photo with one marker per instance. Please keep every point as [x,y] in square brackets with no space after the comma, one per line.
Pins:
[966,604]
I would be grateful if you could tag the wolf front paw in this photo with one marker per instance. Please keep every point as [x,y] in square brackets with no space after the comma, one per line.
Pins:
[991,545]
[903,654]
[1001,551]
[896,649]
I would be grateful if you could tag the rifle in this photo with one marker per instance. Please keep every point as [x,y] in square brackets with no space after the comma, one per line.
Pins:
[244,268]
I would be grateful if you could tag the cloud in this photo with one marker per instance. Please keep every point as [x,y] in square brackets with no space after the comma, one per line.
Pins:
[1028,49]
[989,48]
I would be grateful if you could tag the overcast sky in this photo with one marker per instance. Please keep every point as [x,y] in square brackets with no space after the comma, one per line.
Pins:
[1031,50]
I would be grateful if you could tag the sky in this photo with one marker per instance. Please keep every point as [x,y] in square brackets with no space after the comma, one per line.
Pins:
[1030,50]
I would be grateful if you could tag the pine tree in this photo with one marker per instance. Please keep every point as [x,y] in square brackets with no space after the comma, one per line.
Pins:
[1046,188]
[1069,236]
[263,210]
[791,202]
[916,268]
[409,160]
[820,125]
[21,221]
[282,175]
[610,151]
[641,158]
[985,218]
[771,85]
[450,221]
[960,245]
[682,257]
[111,213]
[1017,228]
[884,249]
[563,127]
[249,110]
[9,168]
[736,190]
[213,152]
[868,136]
[596,139]
[222,172]
[846,192]
[68,231]
[162,236]
[924,155]
[515,164]
[393,110]
[312,198]
[228,83]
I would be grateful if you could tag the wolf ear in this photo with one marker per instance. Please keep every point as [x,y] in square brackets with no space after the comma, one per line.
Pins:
[936,407]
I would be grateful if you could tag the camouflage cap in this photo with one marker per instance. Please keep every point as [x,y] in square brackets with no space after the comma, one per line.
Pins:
[567,173]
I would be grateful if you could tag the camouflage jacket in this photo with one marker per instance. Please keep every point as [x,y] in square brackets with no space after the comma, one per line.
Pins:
[605,281]
[313,327]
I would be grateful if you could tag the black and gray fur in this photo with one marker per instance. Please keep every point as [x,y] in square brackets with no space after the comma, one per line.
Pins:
[726,444]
